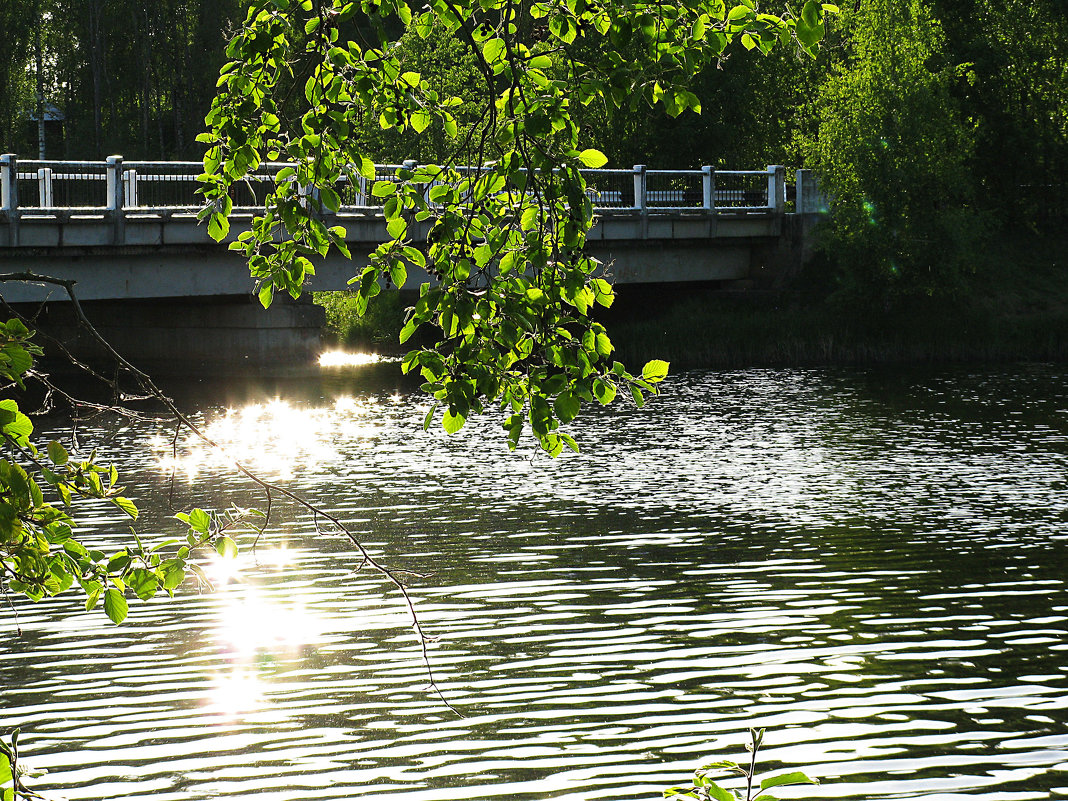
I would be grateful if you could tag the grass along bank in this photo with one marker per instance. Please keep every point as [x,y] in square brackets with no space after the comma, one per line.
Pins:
[377,331]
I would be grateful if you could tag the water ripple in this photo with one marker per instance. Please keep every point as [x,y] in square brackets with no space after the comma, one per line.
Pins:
[870,564]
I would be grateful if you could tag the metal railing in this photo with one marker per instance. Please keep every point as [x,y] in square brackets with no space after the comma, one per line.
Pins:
[117,189]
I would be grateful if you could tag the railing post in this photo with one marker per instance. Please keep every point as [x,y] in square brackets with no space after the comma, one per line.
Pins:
[9,183]
[640,186]
[9,194]
[809,198]
[130,177]
[708,188]
[777,188]
[115,198]
[44,188]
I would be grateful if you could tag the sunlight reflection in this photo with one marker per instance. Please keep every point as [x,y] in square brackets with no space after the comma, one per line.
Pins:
[340,358]
[249,624]
[235,693]
[275,439]
[280,556]
[221,570]
[255,632]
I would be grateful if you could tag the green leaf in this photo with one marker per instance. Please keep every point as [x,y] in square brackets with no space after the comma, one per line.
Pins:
[173,571]
[143,582]
[226,547]
[493,50]
[604,391]
[383,188]
[18,425]
[218,226]
[126,505]
[198,520]
[407,331]
[566,407]
[115,606]
[366,167]
[429,417]
[57,453]
[795,777]
[655,371]
[593,159]
[419,120]
[452,421]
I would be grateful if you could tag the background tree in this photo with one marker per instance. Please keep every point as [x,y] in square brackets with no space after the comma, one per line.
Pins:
[16,94]
[892,150]
[1014,89]
[130,77]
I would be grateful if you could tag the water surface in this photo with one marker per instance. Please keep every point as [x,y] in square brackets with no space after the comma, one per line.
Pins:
[870,564]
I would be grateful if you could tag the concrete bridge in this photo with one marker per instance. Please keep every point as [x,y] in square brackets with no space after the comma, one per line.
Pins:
[127,233]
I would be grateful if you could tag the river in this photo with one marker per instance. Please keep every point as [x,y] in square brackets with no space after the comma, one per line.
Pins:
[869,563]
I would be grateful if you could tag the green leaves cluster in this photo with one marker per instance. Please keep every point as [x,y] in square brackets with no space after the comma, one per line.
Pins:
[39,552]
[706,789]
[495,230]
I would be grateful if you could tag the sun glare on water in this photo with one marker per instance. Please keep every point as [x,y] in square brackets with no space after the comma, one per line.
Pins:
[340,358]
[275,439]
[255,630]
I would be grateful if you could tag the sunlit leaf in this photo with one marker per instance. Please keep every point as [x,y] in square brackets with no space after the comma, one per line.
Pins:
[115,606]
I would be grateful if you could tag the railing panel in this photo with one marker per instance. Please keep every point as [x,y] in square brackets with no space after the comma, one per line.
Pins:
[162,185]
[250,194]
[610,189]
[674,190]
[62,185]
[742,189]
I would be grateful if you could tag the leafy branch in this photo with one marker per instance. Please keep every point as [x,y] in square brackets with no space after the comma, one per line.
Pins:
[511,294]
[39,554]
[706,789]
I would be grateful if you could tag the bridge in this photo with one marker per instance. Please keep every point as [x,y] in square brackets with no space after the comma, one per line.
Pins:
[128,234]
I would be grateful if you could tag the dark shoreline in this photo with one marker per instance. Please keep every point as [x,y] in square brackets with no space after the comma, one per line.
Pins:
[781,331]
[1014,307]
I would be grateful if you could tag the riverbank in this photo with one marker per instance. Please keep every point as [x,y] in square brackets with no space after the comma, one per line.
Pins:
[1015,309]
